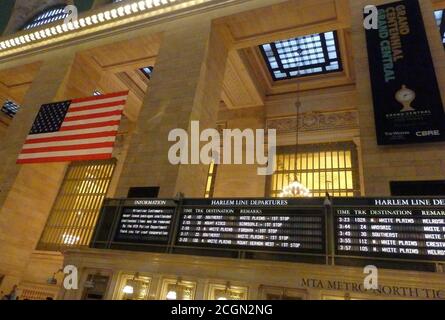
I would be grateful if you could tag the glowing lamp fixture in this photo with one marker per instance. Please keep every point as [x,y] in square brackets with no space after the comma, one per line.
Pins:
[172,295]
[295,190]
[226,295]
[128,289]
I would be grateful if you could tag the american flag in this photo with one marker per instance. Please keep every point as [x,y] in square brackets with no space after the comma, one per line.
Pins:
[74,130]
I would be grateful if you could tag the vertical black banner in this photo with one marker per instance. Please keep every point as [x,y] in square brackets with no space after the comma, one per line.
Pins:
[407,102]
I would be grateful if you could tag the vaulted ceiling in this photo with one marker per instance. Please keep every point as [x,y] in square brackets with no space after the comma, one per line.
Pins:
[248,81]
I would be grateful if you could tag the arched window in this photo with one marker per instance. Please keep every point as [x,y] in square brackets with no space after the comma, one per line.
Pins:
[46,16]
[10,108]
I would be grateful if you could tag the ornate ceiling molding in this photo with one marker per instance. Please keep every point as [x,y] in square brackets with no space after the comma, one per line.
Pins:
[103,21]
[314,121]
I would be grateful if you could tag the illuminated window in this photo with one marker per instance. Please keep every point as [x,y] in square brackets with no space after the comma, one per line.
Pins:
[322,168]
[47,16]
[134,287]
[10,108]
[227,292]
[440,21]
[178,290]
[76,209]
[303,56]
[211,177]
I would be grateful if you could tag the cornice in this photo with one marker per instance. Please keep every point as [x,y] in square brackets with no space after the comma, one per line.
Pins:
[103,22]
[315,121]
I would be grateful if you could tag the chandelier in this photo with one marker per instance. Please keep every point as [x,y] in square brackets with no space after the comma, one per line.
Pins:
[296,189]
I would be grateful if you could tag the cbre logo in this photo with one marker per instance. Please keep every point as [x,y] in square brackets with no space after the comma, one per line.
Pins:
[428,133]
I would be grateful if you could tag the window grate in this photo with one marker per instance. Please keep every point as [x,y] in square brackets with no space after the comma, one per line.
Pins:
[76,209]
[211,178]
[303,56]
[47,16]
[10,108]
[321,168]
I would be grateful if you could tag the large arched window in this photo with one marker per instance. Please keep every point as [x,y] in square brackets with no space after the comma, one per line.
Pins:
[46,16]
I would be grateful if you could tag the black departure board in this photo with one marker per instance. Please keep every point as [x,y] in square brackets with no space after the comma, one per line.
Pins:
[146,221]
[396,228]
[254,224]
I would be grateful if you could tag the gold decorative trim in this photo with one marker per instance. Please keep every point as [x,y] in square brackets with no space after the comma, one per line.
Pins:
[314,121]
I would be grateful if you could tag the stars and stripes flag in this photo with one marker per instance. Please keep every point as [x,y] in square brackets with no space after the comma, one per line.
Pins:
[74,130]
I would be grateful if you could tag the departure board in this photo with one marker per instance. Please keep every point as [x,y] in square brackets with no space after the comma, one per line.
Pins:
[146,221]
[397,228]
[254,224]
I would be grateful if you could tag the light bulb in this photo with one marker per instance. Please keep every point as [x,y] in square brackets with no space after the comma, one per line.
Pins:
[128,289]
[172,295]
[295,189]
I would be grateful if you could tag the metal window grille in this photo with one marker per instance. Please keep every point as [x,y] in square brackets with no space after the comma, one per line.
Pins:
[47,16]
[211,177]
[74,214]
[303,56]
[322,168]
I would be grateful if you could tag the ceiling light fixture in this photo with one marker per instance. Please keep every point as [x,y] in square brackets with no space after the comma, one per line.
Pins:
[173,294]
[227,293]
[129,287]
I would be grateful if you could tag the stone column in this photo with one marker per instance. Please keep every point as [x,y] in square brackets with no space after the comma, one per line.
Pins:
[383,164]
[27,192]
[186,86]
[241,180]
